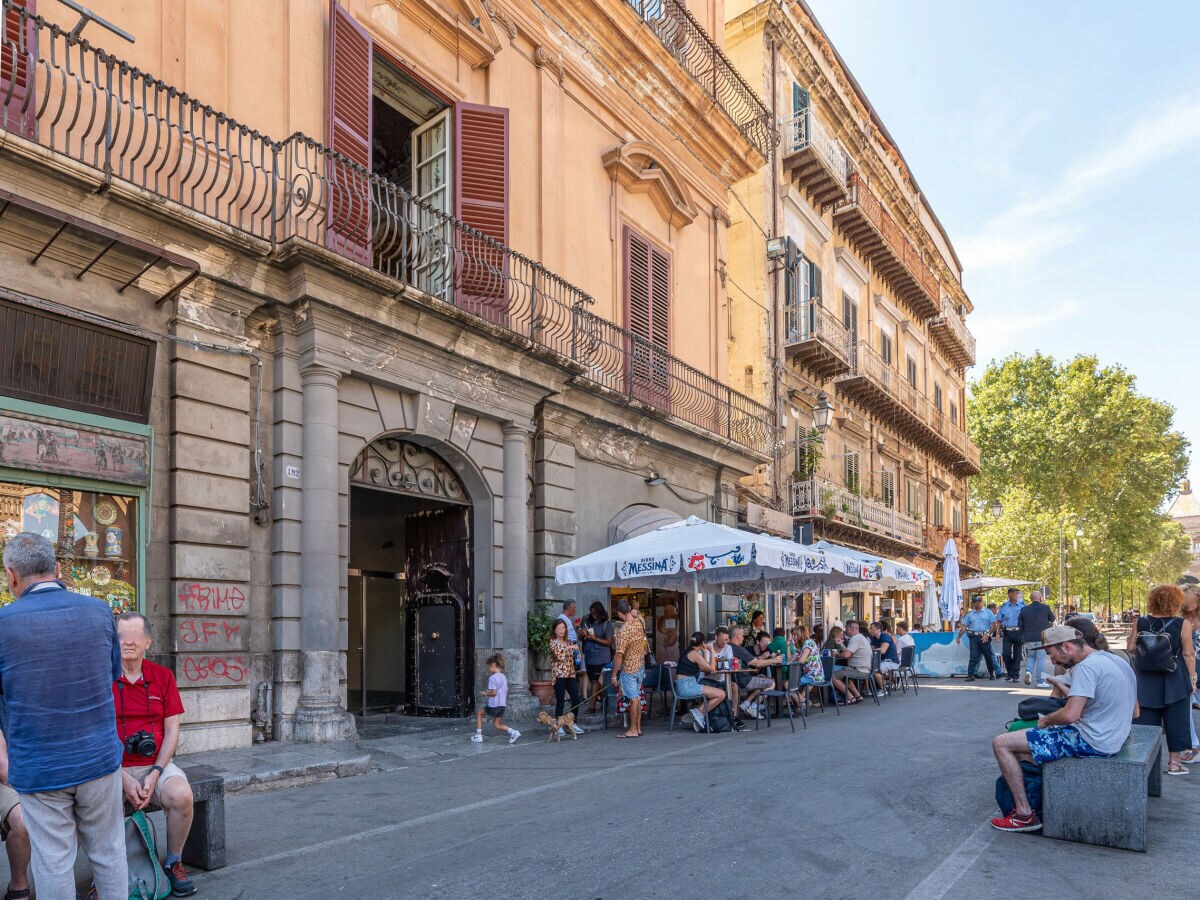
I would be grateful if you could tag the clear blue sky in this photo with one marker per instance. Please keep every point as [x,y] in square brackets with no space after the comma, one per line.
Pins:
[1059,144]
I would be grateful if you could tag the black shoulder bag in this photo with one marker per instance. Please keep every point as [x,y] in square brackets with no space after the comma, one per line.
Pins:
[1152,650]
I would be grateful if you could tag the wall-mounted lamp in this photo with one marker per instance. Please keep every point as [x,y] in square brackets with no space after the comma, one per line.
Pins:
[777,248]
[822,413]
[654,480]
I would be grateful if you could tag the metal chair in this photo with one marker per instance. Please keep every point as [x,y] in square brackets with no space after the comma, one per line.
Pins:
[907,674]
[827,691]
[654,685]
[868,677]
[673,700]
[795,676]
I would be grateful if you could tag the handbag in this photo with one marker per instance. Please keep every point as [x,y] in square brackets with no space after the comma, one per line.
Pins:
[147,880]
[1032,707]
[1152,651]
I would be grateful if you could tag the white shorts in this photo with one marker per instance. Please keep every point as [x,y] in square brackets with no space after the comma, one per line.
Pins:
[888,666]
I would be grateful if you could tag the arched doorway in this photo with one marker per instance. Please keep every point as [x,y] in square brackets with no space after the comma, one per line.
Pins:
[410,527]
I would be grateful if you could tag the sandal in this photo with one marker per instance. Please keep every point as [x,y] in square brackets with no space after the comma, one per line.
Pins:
[10,894]
[1181,770]
[1188,756]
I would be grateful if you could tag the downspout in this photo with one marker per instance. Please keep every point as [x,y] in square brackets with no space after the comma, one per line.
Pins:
[776,372]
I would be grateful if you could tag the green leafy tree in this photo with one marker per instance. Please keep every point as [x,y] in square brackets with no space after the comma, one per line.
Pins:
[1075,443]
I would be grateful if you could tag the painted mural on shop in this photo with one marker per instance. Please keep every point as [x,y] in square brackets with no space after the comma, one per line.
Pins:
[47,445]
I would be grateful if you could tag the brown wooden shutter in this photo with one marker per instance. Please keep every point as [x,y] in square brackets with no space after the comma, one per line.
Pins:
[350,93]
[648,318]
[18,56]
[481,201]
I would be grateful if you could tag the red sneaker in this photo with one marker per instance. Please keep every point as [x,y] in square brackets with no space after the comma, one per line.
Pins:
[1013,822]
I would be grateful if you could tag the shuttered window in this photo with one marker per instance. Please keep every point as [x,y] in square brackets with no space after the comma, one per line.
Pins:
[350,85]
[885,346]
[648,318]
[956,519]
[481,201]
[912,371]
[954,412]
[887,488]
[913,498]
[18,56]
[939,512]
[852,471]
[937,397]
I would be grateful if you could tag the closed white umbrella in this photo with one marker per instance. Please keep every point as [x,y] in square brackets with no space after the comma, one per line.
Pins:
[951,585]
[932,618]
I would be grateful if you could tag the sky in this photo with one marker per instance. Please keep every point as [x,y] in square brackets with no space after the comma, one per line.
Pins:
[1059,144]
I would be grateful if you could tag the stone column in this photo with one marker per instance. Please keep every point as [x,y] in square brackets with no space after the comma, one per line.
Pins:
[516,565]
[319,713]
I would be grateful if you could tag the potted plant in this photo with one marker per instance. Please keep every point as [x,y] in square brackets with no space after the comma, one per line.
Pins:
[538,626]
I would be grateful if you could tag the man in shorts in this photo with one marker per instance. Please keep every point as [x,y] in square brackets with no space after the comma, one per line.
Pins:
[148,703]
[12,825]
[750,681]
[1101,706]
[629,664]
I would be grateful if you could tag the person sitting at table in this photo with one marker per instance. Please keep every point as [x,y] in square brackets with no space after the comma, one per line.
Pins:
[818,635]
[808,657]
[692,664]
[749,680]
[779,642]
[889,656]
[834,642]
[903,638]
[722,653]
[856,657]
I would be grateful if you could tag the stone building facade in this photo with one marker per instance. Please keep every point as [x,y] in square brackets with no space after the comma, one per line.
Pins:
[330,409]
[858,299]
[1185,509]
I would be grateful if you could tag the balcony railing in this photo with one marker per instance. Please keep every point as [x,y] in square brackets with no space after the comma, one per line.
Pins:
[818,497]
[961,343]
[820,341]
[816,161]
[80,102]
[703,60]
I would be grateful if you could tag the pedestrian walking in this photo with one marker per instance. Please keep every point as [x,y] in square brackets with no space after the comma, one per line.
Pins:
[1009,616]
[979,626]
[1035,618]
[59,657]
[1165,680]
[497,700]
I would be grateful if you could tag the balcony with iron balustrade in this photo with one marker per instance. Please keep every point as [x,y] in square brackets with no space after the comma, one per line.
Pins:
[865,222]
[849,516]
[951,332]
[815,162]
[815,339]
[93,109]
[874,385]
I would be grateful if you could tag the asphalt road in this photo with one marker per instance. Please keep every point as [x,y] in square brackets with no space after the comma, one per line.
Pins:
[879,803]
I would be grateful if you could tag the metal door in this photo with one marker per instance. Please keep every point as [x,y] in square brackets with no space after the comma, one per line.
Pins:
[436,661]
[375,665]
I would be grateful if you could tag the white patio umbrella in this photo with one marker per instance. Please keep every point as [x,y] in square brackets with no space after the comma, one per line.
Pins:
[951,586]
[932,617]
[989,582]
[887,574]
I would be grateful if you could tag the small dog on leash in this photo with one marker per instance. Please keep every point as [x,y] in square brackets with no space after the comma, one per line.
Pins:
[558,727]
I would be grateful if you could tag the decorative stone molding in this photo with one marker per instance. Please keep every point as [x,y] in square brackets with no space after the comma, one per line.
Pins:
[407,468]
[502,18]
[640,167]
[546,59]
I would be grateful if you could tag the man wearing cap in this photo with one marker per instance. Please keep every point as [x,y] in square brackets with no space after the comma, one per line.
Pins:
[979,624]
[1101,706]
[1009,615]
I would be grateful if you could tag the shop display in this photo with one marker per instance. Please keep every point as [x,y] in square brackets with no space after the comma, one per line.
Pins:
[106,512]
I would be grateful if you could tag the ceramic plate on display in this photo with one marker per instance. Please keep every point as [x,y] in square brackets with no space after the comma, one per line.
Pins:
[101,576]
[106,512]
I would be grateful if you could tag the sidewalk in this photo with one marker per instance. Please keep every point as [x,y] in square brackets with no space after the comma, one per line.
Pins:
[386,744]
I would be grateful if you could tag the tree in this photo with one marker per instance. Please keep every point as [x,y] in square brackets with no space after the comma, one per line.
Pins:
[1075,444]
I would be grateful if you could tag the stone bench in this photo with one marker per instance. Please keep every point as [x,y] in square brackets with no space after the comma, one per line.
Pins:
[1102,800]
[205,846]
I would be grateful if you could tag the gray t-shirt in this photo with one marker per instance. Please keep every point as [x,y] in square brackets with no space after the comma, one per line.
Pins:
[860,652]
[1111,691]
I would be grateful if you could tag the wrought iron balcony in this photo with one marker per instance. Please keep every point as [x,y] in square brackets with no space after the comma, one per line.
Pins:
[816,339]
[877,387]
[81,103]
[951,331]
[864,221]
[678,31]
[817,163]
[840,506]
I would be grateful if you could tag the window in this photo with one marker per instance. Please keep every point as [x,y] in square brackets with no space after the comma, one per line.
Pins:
[937,397]
[887,488]
[647,276]
[802,287]
[953,412]
[911,371]
[939,512]
[851,471]
[956,519]
[913,498]
[885,346]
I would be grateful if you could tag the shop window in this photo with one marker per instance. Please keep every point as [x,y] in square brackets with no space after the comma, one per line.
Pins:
[95,535]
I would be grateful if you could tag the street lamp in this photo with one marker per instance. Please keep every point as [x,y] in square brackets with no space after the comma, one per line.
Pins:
[997,509]
[822,413]
[991,559]
[1062,568]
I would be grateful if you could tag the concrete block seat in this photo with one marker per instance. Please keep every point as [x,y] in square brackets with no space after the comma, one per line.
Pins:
[1102,800]
[205,846]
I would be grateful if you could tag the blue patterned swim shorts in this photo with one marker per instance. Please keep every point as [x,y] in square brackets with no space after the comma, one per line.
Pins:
[1057,742]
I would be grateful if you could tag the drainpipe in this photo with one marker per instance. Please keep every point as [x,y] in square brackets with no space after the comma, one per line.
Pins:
[776,371]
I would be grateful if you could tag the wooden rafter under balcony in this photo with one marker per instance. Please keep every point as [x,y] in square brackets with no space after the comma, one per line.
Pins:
[951,333]
[816,341]
[865,222]
[814,161]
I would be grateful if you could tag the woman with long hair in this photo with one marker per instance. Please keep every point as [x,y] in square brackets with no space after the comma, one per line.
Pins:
[688,671]
[562,663]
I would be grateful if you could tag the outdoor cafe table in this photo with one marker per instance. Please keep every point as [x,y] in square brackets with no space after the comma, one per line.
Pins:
[727,675]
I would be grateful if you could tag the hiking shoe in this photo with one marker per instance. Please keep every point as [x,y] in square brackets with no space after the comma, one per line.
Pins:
[477,738]
[697,719]
[513,734]
[577,729]
[1013,822]
[181,885]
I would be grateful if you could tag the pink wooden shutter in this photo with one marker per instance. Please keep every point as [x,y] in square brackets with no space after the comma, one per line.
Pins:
[647,314]
[481,201]
[18,57]
[350,93]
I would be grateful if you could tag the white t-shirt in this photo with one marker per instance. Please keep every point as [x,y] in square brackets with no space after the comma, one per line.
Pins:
[860,652]
[723,658]
[904,640]
[1111,691]
[498,683]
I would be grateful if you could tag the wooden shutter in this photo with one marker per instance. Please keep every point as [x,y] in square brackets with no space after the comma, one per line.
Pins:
[350,95]
[852,471]
[481,201]
[18,58]
[887,488]
[648,314]
[815,281]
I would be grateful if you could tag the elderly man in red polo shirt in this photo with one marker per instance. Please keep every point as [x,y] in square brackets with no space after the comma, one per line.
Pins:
[148,710]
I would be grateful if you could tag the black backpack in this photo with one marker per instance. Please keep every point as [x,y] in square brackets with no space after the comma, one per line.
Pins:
[1152,651]
[718,721]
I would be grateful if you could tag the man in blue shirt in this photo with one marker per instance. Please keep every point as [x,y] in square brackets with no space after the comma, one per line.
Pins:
[979,625]
[1009,616]
[58,659]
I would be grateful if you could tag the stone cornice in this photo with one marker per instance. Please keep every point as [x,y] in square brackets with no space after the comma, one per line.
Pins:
[640,167]
[477,45]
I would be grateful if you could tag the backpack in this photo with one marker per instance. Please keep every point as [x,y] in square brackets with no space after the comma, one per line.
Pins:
[147,880]
[1152,652]
[1033,789]
[718,720]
